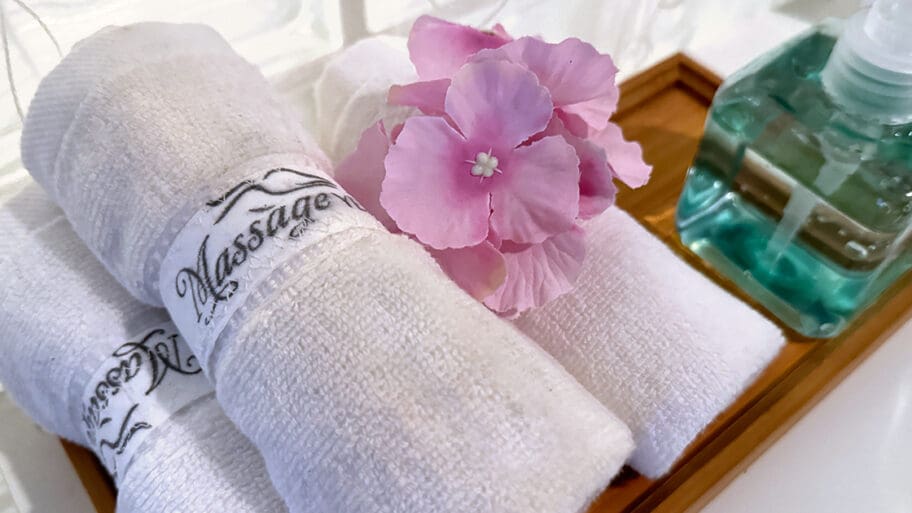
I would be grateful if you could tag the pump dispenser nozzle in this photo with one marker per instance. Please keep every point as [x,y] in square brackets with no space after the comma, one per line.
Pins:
[870,70]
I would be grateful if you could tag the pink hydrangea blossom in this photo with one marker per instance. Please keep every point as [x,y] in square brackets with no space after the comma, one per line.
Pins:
[580,79]
[513,148]
[480,270]
[447,184]
[581,82]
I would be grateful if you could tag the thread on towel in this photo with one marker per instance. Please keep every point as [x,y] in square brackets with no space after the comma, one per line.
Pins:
[4,27]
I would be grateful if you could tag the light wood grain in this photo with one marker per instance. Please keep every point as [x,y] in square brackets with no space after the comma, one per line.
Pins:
[94,477]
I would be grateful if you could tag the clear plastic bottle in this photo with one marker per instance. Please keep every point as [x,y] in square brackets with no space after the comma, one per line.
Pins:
[801,191]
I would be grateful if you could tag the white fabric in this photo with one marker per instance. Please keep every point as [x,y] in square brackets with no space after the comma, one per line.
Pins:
[61,316]
[370,383]
[230,247]
[656,341]
[659,344]
[349,97]
[106,68]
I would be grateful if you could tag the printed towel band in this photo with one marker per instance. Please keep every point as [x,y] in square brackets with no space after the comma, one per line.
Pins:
[143,383]
[238,238]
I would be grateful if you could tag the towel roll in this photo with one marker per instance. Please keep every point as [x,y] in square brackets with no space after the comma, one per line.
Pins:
[658,343]
[356,96]
[367,380]
[61,318]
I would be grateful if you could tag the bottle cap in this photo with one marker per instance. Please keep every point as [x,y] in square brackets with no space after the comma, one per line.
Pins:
[870,69]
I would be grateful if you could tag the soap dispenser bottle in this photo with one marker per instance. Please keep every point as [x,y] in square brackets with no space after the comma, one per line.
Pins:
[801,190]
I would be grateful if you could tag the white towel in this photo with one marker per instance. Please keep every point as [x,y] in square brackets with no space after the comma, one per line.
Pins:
[61,316]
[656,341]
[367,380]
[653,339]
[356,96]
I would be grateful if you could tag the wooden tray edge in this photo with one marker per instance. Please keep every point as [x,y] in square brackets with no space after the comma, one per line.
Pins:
[93,476]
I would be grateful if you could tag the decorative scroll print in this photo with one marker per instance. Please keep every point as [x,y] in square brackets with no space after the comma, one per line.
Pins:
[135,390]
[236,240]
[295,205]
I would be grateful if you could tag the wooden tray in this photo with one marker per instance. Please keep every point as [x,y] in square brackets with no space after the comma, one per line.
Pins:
[664,109]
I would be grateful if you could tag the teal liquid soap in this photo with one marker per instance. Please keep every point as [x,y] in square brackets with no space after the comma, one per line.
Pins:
[803,204]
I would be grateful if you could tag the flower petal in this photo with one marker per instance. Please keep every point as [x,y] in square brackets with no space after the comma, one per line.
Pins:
[597,189]
[479,270]
[498,103]
[361,173]
[579,78]
[495,239]
[573,123]
[438,48]
[500,31]
[428,190]
[538,194]
[539,273]
[595,112]
[427,96]
[624,157]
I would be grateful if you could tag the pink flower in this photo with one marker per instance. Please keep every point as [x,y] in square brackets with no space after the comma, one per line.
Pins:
[580,79]
[581,82]
[508,277]
[596,185]
[479,270]
[449,184]
[515,146]
[439,48]
[582,85]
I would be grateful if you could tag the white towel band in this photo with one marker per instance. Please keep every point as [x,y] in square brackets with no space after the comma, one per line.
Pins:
[143,383]
[236,240]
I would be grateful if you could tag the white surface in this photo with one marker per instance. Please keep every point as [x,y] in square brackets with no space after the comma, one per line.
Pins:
[851,453]
[35,473]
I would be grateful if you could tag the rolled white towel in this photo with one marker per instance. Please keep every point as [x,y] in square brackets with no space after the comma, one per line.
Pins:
[356,96]
[61,318]
[367,380]
[656,341]
[653,339]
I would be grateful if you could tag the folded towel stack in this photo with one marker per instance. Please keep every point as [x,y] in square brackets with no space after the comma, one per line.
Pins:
[653,339]
[366,379]
[61,318]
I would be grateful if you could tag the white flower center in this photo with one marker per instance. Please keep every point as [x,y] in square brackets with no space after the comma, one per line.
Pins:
[484,165]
